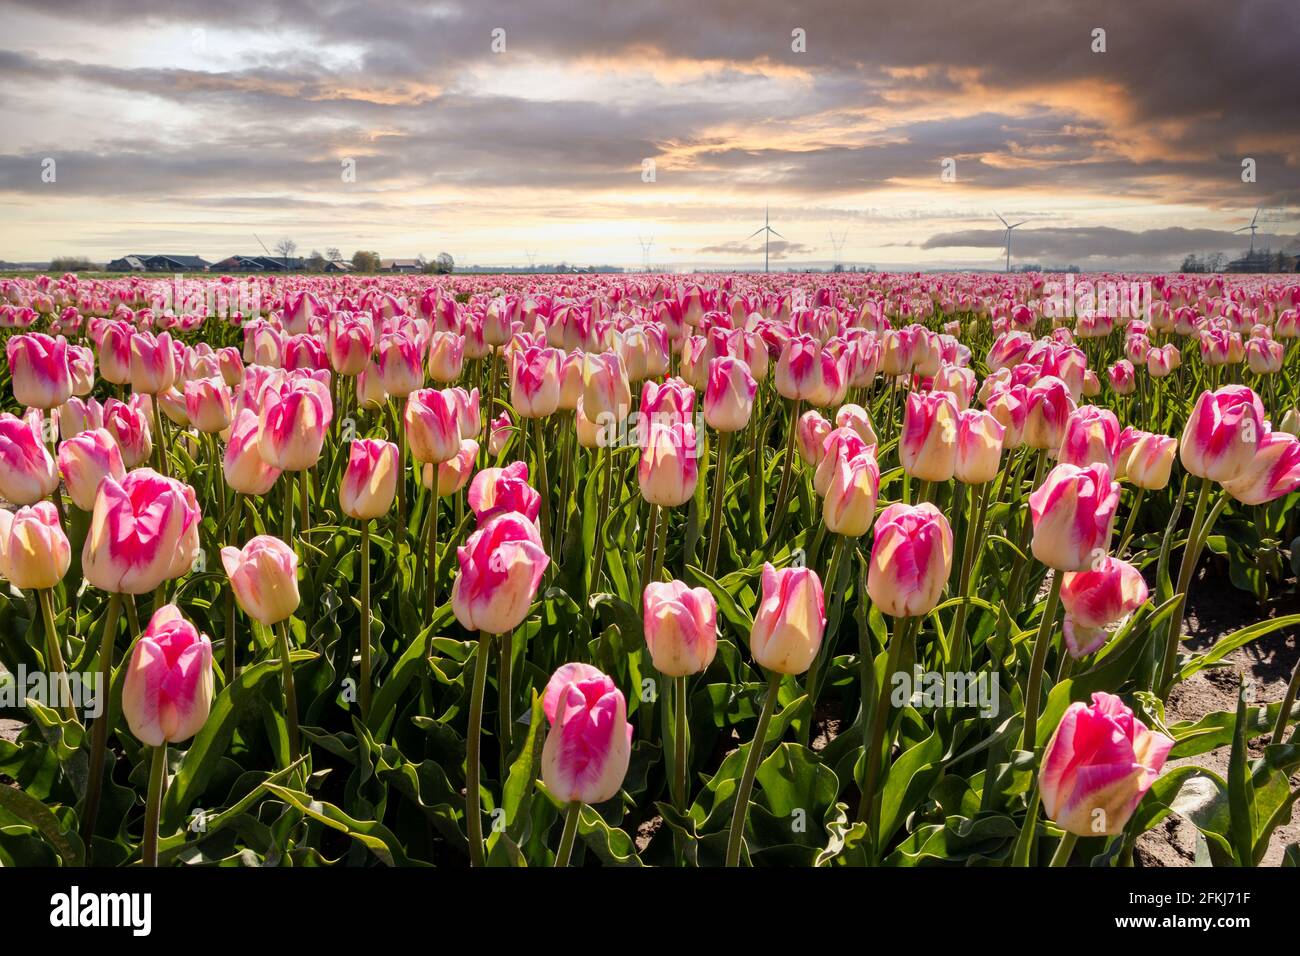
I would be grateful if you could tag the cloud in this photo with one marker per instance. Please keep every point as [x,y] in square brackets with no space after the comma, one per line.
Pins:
[777,249]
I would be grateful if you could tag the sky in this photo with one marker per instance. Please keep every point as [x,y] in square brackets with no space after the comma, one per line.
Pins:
[883,134]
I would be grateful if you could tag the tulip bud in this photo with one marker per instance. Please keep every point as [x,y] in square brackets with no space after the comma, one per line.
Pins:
[1223,433]
[84,460]
[840,444]
[669,466]
[153,363]
[791,620]
[370,479]
[453,474]
[1122,377]
[500,568]
[856,417]
[401,364]
[40,374]
[1049,407]
[1271,474]
[168,689]
[810,435]
[499,435]
[1098,765]
[911,558]
[77,415]
[27,472]
[349,341]
[1144,459]
[34,551]
[432,425]
[587,749]
[1073,513]
[1097,598]
[144,530]
[729,394]
[850,501]
[979,447]
[446,356]
[928,446]
[681,627]
[605,388]
[264,576]
[1091,436]
[496,491]
[207,405]
[293,423]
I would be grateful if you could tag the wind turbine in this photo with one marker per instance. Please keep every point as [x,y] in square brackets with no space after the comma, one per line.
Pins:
[532,258]
[1008,234]
[765,228]
[1252,227]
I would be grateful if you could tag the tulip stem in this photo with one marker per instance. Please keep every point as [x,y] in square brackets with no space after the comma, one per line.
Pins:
[1128,525]
[651,539]
[304,503]
[160,439]
[99,731]
[740,811]
[55,652]
[716,515]
[1191,553]
[153,805]
[867,808]
[290,691]
[602,512]
[1063,849]
[569,836]
[431,569]
[364,695]
[543,484]
[1037,663]
[787,469]
[505,692]
[473,741]
[680,744]
[974,526]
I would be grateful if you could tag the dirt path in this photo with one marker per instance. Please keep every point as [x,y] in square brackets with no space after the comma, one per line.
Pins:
[1217,608]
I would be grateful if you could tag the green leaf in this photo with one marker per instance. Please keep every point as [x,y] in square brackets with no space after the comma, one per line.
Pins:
[29,810]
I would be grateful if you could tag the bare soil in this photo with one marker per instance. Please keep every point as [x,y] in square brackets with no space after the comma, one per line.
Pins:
[1216,608]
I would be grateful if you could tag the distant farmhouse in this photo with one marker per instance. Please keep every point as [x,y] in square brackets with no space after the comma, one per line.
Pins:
[401,265]
[159,263]
[259,264]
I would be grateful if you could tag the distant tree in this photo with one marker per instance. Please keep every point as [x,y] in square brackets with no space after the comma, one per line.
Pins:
[446,264]
[1216,262]
[315,262]
[71,264]
[285,248]
[333,254]
[1279,261]
[1192,263]
[363,261]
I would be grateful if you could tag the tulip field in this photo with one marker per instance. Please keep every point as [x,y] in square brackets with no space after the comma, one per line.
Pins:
[853,569]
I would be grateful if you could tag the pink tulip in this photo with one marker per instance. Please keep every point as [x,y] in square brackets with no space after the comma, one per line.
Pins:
[670,403]
[669,468]
[242,465]
[115,353]
[27,472]
[1073,513]
[293,422]
[911,559]
[928,445]
[729,394]
[979,447]
[1097,598]
[840,445]
[810,372]
[168,689]
[77,415]
[34,551]
[496,491]
[1009,404]
[349,342]
[1273,473]
[791,620]
[401,364]
[1091,437]
[535,381]
[1122,377]
[1144,459]
[153,363]
[84,460]
[605,388]
[469,418]
[143,530]
[500,568]
[586,753]
[446,356]
[856,417]
[1223,433]
[208,405]
[850,498]
[1264,356]
[1049,404]
[500,434]
[453,473]
[129,426]
[41,375]
[1098,765]
[230,366]
[681,627]
[370,479]
[264,576]
[432,425]
[811,431]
